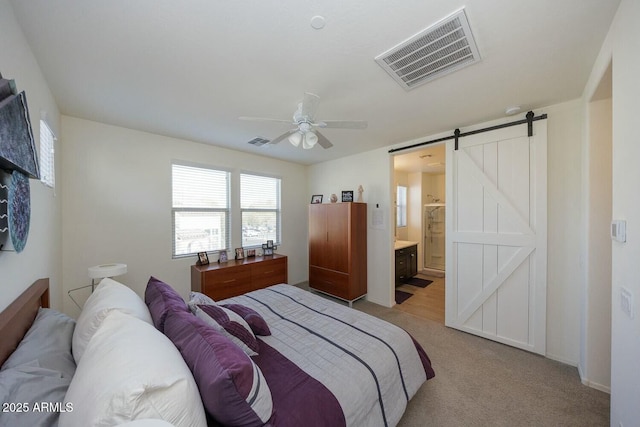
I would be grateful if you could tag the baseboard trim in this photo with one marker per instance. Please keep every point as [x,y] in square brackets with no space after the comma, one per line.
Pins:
[597,386]
[600,387]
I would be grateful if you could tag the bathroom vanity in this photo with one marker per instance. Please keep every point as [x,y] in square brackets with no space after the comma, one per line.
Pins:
[406,260]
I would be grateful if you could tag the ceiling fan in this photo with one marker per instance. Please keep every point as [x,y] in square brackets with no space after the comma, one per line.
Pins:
[305,130]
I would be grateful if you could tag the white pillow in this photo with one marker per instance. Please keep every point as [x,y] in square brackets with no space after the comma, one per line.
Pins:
[108,295]
[132,371]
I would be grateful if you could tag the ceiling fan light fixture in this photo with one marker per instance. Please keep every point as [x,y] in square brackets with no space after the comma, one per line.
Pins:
[309,141]
[296,138]
[305,124]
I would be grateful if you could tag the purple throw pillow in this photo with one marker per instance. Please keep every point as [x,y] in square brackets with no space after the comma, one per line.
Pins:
[256,322]
[231,385]
[229,324]
[160,299]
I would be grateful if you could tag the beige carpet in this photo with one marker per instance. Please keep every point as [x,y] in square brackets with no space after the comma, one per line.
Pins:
[482,383]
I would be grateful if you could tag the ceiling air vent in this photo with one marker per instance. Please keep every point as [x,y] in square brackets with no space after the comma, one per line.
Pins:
[259,141]
[443,48]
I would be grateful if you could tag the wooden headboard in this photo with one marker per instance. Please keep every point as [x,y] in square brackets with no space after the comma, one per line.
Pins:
[17,318]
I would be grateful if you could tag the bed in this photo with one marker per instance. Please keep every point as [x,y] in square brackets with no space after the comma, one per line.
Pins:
[17,318]
[279,356]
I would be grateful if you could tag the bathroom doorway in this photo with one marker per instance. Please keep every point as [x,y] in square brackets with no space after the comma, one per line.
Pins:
[419,178]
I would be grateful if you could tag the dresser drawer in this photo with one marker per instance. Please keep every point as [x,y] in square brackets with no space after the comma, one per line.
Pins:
[226,283]
[269,273]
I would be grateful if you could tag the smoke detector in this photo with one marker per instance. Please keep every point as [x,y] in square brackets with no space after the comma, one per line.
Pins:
[510,111]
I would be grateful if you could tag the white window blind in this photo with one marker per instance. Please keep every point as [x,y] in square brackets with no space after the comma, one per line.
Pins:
[200,209]
[260,206]
[401,206]
[47,158]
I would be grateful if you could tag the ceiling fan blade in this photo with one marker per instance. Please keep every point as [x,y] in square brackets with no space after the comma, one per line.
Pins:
[323,141]
[342,124]
[281,137]
[263,119]
[309,105]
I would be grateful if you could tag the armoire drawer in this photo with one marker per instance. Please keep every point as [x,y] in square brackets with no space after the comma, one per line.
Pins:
[331,282]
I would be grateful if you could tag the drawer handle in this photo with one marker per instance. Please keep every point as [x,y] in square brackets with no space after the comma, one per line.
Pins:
[229,281]
[268,272]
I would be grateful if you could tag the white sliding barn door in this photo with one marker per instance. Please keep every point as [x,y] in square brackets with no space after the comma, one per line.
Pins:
[496,273]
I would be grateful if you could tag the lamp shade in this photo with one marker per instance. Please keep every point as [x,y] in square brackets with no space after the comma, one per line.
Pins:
[310,139]
[295,138]
[107,270]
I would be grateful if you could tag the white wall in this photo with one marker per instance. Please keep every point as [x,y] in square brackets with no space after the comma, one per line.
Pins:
[42,255]
[564,286]
[434,184]
[595,363]
[621,48]
[372,170]
[117,204]
[414,211]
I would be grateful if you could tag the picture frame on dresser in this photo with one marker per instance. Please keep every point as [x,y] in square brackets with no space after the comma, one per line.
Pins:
[203,258]
[239,253]
[347,196]
[316,198]
[222,256]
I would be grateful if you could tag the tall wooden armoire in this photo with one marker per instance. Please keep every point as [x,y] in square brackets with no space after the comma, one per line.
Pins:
[338,249]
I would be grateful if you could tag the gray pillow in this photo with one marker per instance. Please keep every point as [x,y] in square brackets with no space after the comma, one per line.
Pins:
[47,344]
[27,386]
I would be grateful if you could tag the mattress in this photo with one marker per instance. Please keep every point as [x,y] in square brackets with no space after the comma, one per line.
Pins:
[327,364]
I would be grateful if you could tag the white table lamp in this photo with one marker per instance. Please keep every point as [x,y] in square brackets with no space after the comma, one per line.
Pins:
[100,272]
[106,270]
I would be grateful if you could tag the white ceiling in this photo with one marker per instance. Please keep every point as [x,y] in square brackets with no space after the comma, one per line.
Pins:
[430,159]
[190,68]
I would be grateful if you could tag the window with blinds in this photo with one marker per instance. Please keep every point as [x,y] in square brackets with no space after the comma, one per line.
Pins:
[401,206]
[200,209]
[260,209]
[47,158]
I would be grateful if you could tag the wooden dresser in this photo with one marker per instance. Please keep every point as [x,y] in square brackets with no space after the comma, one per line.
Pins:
[236,277]
[338,249]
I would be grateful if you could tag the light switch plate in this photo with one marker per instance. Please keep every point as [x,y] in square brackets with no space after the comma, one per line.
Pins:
[619,230]
[626,302]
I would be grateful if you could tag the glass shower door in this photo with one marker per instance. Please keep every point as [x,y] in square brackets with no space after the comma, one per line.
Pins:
[434,236]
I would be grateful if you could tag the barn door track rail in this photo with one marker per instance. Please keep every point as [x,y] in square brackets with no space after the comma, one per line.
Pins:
[530,118]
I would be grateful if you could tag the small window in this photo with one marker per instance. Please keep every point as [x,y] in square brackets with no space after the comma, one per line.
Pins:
[401,206]
[200,210]
[47,158]
[260,207]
